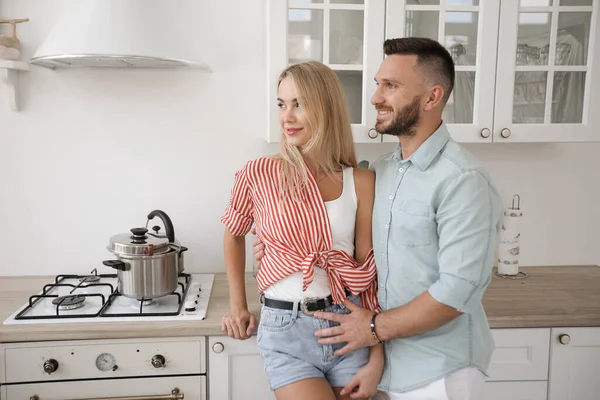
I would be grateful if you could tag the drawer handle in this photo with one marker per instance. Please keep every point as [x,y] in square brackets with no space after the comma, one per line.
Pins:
[218,347]
[485,133]
[373,134]
[505,133]
[564,338]
[175,395]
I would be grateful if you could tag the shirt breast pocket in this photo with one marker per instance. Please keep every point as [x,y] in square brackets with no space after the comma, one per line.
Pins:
[412,224]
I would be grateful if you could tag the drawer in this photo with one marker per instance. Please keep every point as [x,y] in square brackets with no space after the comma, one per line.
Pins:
[536,390]
[520,355]
[191,387]
[88,359]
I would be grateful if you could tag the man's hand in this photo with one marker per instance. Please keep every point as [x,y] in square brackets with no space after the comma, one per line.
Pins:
[355,329]
[258,248]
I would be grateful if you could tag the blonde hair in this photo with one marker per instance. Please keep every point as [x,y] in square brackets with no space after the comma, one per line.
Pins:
[331,146]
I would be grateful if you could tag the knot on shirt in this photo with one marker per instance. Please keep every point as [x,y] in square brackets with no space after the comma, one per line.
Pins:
[343,272]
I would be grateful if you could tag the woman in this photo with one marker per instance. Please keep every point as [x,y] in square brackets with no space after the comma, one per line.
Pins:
[312,209]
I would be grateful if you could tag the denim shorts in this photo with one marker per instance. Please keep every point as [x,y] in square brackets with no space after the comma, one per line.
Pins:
[290,351]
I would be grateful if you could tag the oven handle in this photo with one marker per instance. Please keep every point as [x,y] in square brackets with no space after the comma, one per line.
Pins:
[175,395]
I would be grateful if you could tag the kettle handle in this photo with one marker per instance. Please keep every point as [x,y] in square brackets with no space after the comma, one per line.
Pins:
[166,221]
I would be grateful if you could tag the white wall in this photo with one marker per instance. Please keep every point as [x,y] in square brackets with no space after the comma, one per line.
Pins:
[92,152]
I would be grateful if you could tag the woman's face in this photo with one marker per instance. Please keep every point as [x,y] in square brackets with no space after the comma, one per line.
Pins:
[292,116]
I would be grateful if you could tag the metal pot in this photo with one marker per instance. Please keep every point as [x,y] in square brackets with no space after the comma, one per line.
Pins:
[147,264]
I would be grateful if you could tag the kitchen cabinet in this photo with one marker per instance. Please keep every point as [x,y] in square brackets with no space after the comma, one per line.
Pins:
[346,35]
[519,366]
[515,391]
[525,70]
[236,370]
[544,364]
[575,362]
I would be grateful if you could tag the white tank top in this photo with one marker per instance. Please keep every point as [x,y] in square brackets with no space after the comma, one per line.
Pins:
[342,219]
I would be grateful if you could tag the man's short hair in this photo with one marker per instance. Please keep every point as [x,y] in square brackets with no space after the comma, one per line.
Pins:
[433,60]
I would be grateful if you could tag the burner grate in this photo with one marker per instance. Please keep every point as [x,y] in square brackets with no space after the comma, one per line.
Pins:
[64,304]
[184,289]
[57,303]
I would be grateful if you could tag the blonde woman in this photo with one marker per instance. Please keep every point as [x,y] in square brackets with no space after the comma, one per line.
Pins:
[312,208]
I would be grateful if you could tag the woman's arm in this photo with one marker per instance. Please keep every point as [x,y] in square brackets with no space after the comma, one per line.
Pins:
[235,248]
[238,219]
[239,323]
[364,182]
[364,384]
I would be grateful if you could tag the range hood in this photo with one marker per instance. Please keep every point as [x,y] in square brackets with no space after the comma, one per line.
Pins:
[124,33]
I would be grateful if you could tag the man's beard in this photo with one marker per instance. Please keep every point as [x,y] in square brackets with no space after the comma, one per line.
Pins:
[404,121]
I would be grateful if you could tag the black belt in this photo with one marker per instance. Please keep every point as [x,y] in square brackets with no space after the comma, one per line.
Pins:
[308,306]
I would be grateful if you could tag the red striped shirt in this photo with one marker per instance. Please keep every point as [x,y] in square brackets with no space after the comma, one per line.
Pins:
[297,236]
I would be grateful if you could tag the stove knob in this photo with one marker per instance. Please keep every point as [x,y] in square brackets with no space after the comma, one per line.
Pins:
[158,361]
[190,305]
[50,366]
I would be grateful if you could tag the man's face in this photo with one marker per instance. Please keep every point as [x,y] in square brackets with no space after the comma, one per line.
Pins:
[398,96]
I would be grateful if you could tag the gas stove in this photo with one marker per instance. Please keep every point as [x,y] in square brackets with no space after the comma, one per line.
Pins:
[96,298]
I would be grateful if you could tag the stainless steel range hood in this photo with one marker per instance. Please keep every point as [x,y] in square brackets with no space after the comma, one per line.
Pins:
[124,33]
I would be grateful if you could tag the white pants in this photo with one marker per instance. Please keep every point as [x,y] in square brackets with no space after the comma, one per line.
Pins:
[464,384]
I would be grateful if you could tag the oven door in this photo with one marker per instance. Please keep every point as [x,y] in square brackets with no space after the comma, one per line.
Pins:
[166,388]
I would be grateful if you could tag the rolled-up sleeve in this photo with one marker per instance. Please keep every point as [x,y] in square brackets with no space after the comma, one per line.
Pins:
[238,216]
[467,220]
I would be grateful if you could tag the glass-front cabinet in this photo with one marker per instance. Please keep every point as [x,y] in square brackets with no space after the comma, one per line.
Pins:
[545,90]
[466,28]
[346,35]
[525,69]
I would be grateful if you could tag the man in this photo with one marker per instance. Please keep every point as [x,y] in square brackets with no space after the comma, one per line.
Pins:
[435,226]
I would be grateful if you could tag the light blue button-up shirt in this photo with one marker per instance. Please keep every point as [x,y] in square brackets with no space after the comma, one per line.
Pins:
[435,228]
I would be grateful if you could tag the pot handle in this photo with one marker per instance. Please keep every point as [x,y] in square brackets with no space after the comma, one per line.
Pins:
[116,264]
[166,221]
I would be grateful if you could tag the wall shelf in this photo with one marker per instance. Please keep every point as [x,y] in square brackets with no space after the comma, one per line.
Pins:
[9,74]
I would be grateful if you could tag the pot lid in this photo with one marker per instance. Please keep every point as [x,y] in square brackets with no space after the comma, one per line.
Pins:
[138,243]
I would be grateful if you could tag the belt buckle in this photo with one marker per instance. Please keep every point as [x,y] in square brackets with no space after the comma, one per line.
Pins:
[304,305]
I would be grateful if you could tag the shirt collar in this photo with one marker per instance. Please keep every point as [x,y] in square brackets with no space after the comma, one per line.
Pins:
[425,154]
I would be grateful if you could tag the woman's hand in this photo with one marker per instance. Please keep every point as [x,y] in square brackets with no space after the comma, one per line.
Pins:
[364,384]
[239,323]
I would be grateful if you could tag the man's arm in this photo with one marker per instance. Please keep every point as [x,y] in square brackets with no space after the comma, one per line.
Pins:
[467,221]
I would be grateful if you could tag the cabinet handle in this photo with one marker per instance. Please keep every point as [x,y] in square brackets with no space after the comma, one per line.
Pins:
[218,347]
[564,338]
[373,133]
[485,133]
[505,133]
[175,395]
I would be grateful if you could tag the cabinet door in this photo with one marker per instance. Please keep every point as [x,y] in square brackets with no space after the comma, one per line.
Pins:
[575,362]
[469,30]
[236,370]
[515,390]
[547,84]
[520,355]
[346,35]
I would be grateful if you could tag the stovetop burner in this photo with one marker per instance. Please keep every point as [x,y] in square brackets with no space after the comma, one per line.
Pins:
[96,297]
[70,302]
